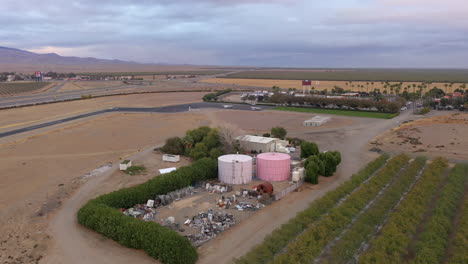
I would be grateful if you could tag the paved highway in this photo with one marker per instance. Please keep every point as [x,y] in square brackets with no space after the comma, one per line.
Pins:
[165,109]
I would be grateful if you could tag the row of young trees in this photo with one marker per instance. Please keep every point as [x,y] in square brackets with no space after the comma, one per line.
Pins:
[348,103]
[308,245]
[365,226]
[103,216]
[279,238]
[214,96]
[401,226]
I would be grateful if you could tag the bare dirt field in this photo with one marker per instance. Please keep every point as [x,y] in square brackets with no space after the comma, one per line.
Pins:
[42,187]
[444,136]
[322,85]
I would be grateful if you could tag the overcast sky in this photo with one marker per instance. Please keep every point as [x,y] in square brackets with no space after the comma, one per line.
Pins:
[286,33]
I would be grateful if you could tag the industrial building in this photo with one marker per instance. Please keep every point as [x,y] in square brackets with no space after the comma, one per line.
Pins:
[235,169]
[262,144]
[316,121]
[273,166]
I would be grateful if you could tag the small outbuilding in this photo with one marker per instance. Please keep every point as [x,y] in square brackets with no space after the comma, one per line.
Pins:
[316,121]
[262,144]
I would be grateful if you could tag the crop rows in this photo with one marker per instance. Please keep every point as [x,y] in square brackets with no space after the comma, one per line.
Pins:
[309,244]
[401,226]
[459,243]
[432,243]
[16,88]
[350,243]
[276,241]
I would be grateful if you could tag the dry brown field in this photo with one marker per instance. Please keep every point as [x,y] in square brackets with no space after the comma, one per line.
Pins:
[354,86]
[443,135]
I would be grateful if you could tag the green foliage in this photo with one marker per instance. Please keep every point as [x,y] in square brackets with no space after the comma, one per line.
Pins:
[133,170]
[280,237]
[308,149]
[313,169]
[199,151]
[102,216]
[278,132]
[432,243]
[308,245]
[215,153]
[266,135]
[330,161]
[86,96]
[337,112]
[424,111]
[396,234]
[365,225]
[214,96]
[174,146]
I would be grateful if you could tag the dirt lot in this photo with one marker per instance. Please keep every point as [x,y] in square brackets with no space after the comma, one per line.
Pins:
[354,86]
[44,169]
[434,136]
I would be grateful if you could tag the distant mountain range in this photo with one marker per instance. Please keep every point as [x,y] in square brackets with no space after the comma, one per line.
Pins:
[18,60]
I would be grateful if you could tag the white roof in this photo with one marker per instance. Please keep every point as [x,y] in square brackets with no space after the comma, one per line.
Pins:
[164,171]
[234,158]
[256,139]
[318,119]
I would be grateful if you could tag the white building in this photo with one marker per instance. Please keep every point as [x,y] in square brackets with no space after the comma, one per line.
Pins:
[316,121]
[10,78]
[262,144]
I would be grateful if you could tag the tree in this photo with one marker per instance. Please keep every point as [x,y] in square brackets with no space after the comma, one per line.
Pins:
[199,133]
[266,135]
[278,132]
[215,153]
[312,172]
[308,149]
[199,151]
[174,146]
[211,140]
[330,160]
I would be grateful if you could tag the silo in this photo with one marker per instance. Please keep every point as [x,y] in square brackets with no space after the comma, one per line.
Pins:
[273,166]
[235,169]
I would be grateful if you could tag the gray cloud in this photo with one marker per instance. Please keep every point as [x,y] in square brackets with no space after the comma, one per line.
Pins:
[336,33]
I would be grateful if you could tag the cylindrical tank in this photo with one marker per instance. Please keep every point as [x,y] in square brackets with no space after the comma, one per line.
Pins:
[273,166]
[235,169]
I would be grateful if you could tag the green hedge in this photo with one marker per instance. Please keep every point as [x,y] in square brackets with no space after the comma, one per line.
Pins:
[102,216]
[280,237]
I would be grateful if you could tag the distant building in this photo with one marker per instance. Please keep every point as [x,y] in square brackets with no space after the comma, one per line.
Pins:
[10,78]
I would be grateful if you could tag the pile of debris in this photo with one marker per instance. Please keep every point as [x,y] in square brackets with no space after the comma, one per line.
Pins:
[210,224]
[217,188]
[232,201]
[141,211]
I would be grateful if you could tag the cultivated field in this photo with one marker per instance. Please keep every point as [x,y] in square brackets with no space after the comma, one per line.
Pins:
[84,85]
[394,75]
[17,88]
[366,221]
[357,86]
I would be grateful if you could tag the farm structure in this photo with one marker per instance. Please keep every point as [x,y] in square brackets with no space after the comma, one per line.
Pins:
[262,144]
[316,121]
[235,169]
[171,158]
[273,166]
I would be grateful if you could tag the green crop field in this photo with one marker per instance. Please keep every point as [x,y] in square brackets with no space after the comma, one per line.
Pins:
[400,210]
[11,88]
[336,112]
[391,75]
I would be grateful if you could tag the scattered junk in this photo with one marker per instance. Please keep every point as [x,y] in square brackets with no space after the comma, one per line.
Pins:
[316,121]
[171,158]
[124,165]
[141,211]
[235,169]
[217,188]
[166,199]
[210,224]
[265,187]
[273,166]
[167,170]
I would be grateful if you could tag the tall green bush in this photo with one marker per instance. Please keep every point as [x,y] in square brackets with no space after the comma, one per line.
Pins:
[102,215]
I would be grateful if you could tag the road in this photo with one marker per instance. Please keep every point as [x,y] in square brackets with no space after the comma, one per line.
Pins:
[165,109]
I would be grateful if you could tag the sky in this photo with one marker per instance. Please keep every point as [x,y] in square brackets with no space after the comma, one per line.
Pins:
[275,33]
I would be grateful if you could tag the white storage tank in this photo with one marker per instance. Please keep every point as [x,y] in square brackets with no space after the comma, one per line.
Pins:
[235,169]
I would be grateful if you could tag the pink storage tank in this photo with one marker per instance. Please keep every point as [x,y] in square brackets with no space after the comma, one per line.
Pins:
[274,166]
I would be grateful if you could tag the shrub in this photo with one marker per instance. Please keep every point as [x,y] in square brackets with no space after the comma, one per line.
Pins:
[424,111]
[279,132]
[174,146]
[133,170]
[308,149]
[199,151]
[102,216]
[266,135]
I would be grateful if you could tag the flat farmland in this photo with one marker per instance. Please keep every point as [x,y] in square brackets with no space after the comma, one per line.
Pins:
[394,75]
[358,86]
[18,88]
